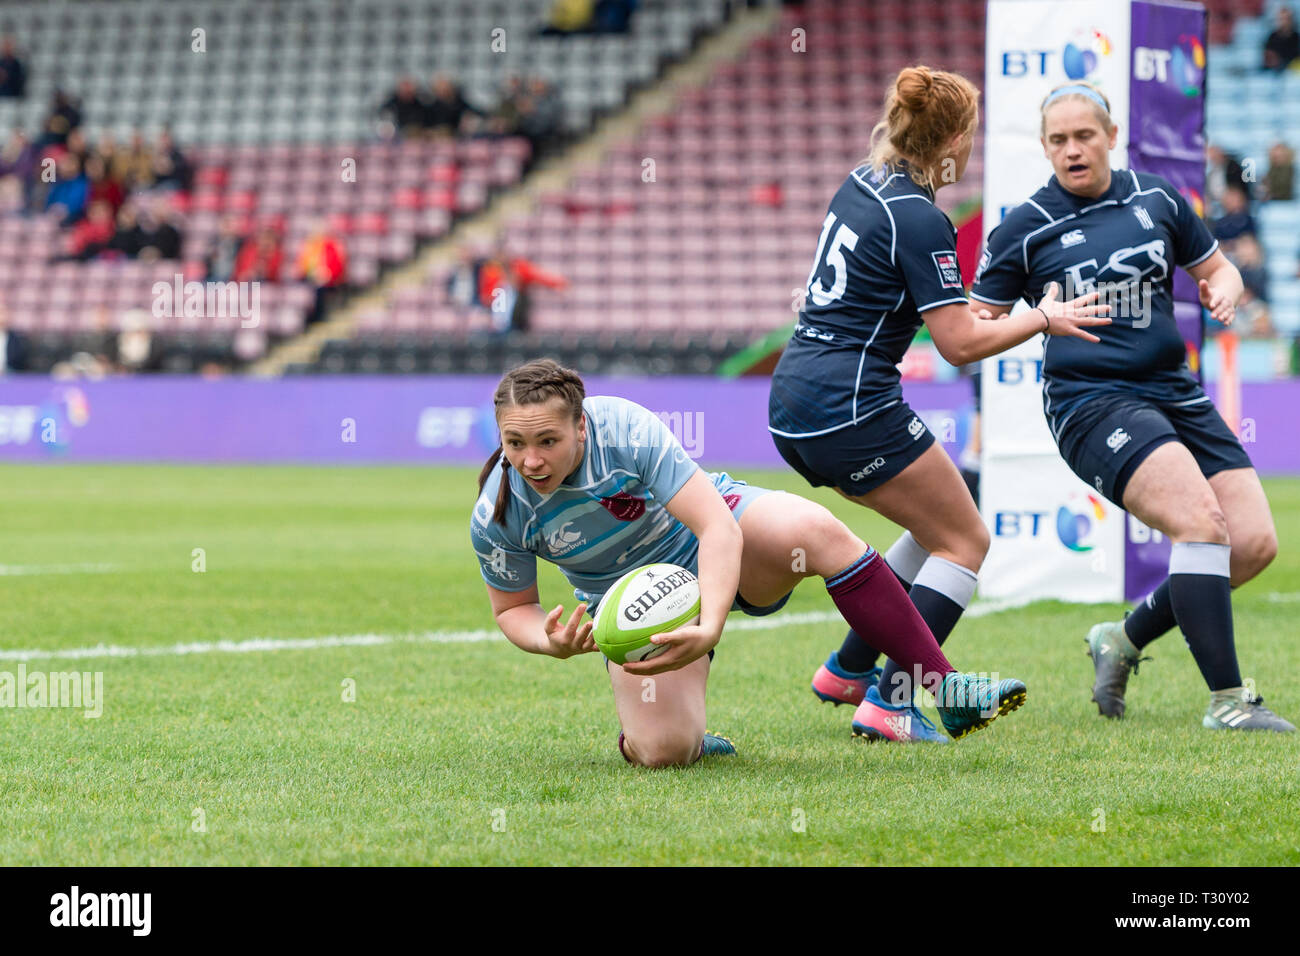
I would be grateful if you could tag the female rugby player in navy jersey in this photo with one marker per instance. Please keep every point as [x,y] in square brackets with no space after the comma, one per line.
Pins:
[886,262]
[1127,414]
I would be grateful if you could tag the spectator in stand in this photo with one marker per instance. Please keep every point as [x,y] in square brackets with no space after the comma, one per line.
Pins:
[1253,318]
[613,16]
[105,148]
[160,239]
[1283,44]
[463,283]
[219,266]
[404,110]
[128,238]
[540,113]
[13,346]
[91,235]
[1236,233]
[504,284]
[504,120]
[323,262]
[1247,255]
[168,166]
[133,166]
[102,187]
[17,171]
[70,190]
[447,110]
[1236,219]
[569,17]
[135,349]
[260,257]
[1279,181]
[65,116]
[13,75]
[76,145]
[1220,170]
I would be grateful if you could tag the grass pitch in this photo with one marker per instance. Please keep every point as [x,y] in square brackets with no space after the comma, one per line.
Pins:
[471,752]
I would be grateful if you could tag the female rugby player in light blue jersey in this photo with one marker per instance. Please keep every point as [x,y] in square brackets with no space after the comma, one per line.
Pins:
[885,263]
[1127,414]
[599,486]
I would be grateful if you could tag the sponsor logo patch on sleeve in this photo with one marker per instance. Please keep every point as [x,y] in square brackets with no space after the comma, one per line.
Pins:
[949,273]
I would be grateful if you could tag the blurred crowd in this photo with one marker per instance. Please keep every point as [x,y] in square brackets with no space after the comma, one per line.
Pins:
[1282,48]
[570,17]
[113,200]
[497,282]
[1233,191]
[527,106]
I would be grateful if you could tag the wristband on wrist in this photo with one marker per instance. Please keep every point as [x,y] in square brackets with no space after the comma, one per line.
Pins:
[1048,327]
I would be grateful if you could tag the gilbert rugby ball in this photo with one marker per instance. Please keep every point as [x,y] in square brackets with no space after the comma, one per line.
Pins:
[642,603]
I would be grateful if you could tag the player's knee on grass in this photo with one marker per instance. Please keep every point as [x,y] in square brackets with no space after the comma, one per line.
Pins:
[663,749]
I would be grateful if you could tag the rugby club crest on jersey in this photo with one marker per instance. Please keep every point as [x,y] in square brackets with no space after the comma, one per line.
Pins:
[949,273]
[623,506]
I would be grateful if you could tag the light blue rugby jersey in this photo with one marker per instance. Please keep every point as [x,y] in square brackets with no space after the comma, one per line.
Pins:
[605,519]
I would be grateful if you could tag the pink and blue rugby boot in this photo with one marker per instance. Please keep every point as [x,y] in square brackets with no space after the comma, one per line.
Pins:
[832,683]
[876,720]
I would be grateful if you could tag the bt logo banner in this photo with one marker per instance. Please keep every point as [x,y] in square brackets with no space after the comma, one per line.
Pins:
[1080,58]
[1184,65]
[1076,522]
[1018,371]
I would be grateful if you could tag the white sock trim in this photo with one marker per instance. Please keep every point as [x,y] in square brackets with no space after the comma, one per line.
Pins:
[1200,557]
[951,580]
[906,557]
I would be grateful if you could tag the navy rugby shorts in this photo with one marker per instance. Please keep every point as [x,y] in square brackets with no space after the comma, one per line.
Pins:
[1109,435]
[859,458]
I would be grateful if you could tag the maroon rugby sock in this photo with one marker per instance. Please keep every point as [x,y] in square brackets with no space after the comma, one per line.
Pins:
[878,609]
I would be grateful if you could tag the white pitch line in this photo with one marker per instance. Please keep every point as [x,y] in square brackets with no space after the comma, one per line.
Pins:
[1283,597]
[261,644]
[16,569]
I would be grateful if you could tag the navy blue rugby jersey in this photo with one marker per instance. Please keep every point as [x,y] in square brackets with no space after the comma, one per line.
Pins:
[1124,244]
[886,254]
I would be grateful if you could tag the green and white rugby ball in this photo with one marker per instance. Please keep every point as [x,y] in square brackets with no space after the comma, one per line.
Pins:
[642,603]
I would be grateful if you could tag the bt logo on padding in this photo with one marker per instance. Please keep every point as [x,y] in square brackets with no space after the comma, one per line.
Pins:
[1014,371]
[1083,54]
[1184,65]
[1078,519]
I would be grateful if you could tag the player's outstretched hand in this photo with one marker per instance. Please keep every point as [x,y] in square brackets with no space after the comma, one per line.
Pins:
[572,637]
[1221,307]
[685,644]
[1071,318]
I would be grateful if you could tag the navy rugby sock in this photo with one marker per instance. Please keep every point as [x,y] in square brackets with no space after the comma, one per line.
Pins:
[1151,618]
[1202,603]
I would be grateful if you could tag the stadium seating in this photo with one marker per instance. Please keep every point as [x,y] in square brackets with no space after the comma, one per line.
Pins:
[281,72]
[269,108]
[722,238]
[1247,111]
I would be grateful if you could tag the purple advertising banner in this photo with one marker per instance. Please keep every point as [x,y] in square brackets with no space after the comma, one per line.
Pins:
[1167,117]
[447,421]
[372,419]
[1167,137]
